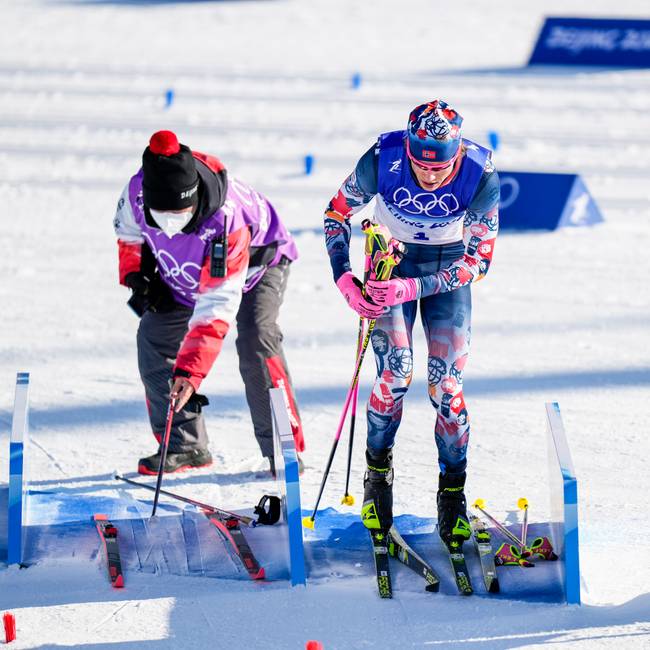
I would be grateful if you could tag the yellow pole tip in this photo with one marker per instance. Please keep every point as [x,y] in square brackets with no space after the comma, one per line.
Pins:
[522,503]
[308,522]
[479,503]
[347,500]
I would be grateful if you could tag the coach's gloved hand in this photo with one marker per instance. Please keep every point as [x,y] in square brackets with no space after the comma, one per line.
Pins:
[393,292]
[152,293]
[137,281]
[351,288]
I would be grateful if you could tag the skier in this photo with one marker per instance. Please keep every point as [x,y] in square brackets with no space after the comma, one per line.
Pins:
[200,250]
[438,193]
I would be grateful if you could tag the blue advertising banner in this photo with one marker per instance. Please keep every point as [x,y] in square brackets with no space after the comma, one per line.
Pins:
[593,41]
[542,201]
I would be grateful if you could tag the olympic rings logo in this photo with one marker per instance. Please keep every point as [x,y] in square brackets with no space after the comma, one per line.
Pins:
[186,275]
[512,184]
[425,203]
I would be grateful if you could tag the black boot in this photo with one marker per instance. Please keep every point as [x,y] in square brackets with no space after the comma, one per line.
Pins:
[377,510]
[175,462]
[452,508]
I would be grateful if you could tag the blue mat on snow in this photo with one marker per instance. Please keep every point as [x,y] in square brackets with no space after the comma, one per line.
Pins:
[182,542]
[178,542]
[339,547]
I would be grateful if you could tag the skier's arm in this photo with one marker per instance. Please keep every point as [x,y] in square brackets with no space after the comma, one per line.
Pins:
[357,191]
[216,307]
[479,235]
[129,237]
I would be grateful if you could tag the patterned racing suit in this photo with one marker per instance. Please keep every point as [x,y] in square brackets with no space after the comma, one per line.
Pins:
[449,235]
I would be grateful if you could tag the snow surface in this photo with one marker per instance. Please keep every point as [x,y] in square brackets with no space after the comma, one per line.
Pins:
[562,316]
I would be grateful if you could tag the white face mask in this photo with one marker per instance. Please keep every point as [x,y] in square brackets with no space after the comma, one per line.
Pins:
[171,223]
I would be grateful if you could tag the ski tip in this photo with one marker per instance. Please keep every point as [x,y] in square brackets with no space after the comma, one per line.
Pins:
[479,503]
[347,500]
[522,503]
[435,588]
[494,587]
[260,575]
[308,522]
[100,517]
[118,583]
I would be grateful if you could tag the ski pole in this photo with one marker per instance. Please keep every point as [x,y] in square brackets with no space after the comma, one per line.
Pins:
[479,504]
[522,504]
[348,499]
[164,444]
[248,521]
[308,522]
[385,253]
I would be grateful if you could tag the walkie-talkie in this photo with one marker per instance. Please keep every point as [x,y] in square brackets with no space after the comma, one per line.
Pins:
[219,253]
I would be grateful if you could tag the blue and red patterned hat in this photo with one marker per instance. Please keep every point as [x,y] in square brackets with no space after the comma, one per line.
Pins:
[433,133]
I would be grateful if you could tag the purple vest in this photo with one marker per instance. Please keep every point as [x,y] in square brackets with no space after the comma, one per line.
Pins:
[181,257]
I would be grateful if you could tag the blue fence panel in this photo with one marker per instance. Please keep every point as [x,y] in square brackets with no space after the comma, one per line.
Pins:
[286,466]
[564,503]
[18,487]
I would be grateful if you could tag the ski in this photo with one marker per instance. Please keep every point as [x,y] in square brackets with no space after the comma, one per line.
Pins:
[483,543]
[458,565]
[231,531]
[400,550]
[380,550]
[108,534]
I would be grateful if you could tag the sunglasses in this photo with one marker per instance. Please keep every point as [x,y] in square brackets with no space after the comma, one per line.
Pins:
[431,167]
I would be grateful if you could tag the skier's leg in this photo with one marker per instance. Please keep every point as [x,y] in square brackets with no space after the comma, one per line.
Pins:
[392,344]
[447,323]
[158,340]
[393,348]
[262,363]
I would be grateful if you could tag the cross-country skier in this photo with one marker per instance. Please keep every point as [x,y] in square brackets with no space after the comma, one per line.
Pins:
[200,250]
[438,193]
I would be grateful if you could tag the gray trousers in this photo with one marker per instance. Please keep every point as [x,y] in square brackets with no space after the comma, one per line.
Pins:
[259,340]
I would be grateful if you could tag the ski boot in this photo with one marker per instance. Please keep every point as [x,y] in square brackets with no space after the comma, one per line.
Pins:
[453,523]
[377,510]
[175,462]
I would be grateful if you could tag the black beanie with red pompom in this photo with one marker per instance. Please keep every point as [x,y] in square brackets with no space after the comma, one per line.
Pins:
[170,180]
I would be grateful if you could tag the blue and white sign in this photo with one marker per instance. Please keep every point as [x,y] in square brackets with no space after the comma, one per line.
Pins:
[539,201]
[593,41]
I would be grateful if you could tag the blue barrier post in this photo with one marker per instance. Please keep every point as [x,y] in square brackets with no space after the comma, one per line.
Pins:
[564,503]
[355,81]
[169,97]
[309,164]
[287,476]
[16,500]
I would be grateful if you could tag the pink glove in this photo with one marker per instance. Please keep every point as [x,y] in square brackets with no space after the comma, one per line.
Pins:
[351,287]
[392,292]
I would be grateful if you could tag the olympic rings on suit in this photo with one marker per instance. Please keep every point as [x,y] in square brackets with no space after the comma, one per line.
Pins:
[425,203]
